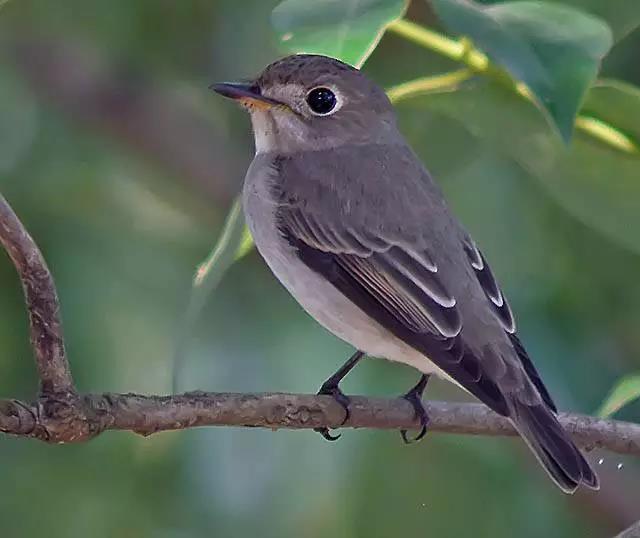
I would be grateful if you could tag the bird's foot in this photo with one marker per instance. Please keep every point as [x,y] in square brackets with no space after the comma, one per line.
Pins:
[331,388]
[414,397]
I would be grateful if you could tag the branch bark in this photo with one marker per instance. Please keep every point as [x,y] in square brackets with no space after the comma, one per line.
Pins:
[41,301]
[61,415]
[54,420]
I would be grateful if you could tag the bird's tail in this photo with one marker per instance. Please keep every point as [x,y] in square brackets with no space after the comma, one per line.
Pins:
[553,447]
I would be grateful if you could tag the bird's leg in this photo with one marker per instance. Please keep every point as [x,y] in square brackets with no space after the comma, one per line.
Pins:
[331,387]
[414,397]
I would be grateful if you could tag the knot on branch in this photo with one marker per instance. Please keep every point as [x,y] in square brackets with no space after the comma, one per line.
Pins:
[66,418]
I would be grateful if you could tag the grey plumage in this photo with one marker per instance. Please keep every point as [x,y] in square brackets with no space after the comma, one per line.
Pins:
[351,223]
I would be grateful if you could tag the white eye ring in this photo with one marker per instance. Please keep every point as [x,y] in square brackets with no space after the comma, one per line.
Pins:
[323,101]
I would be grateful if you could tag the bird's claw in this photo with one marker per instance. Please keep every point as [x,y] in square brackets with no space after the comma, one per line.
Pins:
[333,390]
[414,397]
[408,441]
[326,434]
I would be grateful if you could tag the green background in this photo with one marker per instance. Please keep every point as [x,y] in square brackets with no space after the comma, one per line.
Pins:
[123,165]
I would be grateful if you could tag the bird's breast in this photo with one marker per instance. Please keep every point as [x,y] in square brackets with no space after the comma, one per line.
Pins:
[317,296]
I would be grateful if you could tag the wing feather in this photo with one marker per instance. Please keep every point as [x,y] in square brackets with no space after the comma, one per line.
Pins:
[490,287]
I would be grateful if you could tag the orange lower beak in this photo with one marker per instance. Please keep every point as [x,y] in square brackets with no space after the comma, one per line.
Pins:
[247,94]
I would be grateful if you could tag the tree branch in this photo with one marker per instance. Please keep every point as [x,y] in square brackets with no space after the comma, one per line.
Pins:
[53,420]
[41,300]
[60,415]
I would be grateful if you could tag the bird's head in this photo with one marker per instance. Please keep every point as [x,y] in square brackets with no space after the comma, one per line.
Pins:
[309,102]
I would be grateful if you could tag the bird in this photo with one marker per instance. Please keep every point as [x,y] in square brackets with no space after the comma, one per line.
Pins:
[349,220]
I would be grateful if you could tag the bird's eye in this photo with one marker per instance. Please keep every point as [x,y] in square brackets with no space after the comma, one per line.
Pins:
[321,101]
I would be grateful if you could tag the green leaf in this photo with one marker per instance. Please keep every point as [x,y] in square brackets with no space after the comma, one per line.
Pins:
[624,392]
[622,16]
[345,29]
[234,242]
[592,179]
[555,50]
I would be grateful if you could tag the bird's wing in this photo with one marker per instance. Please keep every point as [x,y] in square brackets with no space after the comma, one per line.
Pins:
[400,289]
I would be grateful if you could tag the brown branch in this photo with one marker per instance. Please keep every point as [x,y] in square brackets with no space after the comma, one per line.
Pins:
[61,415]
[54,420]
[41,300]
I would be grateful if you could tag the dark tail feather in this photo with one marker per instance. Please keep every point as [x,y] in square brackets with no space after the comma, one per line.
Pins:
[553,447]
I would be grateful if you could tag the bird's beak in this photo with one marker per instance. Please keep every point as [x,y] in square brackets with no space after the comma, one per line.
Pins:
[246,94]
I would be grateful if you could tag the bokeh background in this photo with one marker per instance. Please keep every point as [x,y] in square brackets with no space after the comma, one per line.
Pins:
[123,165]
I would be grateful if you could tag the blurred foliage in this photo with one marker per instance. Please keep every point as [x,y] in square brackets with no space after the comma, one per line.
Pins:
[123,227]
[596,183]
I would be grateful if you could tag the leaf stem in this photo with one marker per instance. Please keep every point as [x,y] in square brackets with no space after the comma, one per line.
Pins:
[606,134]
[458,50]
[420,86]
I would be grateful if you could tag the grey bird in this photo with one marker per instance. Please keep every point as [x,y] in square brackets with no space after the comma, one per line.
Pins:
[351,223]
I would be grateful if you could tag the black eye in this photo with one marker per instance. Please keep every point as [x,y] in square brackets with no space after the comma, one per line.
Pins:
[321,100]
